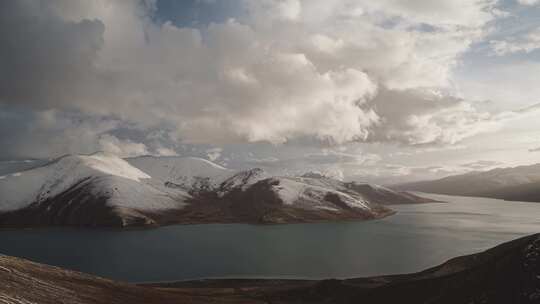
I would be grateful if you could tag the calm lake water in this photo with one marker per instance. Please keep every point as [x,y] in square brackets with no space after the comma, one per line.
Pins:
[417,237]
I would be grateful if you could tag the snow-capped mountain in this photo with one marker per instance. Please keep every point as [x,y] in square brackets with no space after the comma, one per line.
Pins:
[242,180]
[188,173]
[257,197]
[69,188]
[516,184]
[103,190]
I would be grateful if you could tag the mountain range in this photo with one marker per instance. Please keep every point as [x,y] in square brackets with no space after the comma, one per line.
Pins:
[104,190]
[514,184]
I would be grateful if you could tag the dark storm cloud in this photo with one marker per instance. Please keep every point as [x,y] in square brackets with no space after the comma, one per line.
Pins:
[44,60]
[29,133]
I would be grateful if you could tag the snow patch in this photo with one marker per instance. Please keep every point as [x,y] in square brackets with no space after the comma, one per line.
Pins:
[242,180]
[295,191]
[183,171]
[109,164]
[327,208]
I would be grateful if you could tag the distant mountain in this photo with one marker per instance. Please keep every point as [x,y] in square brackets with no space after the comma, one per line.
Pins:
[306,199]
[103,190]
[515,184]
[508,273]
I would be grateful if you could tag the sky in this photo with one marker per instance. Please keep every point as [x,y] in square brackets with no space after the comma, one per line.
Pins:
[386,91]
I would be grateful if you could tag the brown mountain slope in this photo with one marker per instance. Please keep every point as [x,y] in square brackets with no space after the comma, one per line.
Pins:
[514,184]
[25,282]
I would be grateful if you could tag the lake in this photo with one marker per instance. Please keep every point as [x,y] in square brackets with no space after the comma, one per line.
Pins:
[417,237]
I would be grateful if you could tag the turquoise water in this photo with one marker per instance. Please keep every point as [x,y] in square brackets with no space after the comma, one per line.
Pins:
[417,237]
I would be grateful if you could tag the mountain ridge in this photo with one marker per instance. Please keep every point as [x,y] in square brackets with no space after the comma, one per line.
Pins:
[101,189]
[521,183]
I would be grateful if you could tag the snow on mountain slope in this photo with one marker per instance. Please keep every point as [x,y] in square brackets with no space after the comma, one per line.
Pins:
[300,192]
[120,181]
[295,191]
[242,180]
[310,193]
[276,200]
[364,192]
[185,172]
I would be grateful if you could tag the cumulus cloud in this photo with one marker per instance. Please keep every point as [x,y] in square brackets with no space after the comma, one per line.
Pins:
[425,117]
[49,133]
[417,117]
[288,69]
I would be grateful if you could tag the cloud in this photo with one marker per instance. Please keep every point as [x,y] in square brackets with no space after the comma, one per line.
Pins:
[432,118]
[526,43]
[506,83]
[482,164]
[121,148]
[46,61]
[535,150]
[214,153]
[162,151]
[528,2]
[330,70]
[49,133]
[391,174]
[416,117]
[342,161]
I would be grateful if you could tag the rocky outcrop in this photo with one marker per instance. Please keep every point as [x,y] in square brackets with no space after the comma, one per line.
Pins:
[24,282]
